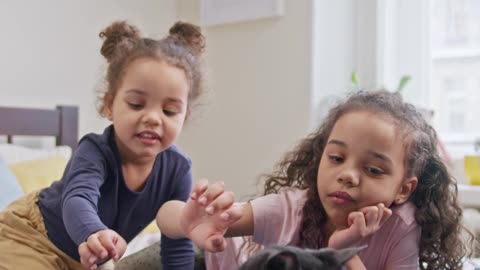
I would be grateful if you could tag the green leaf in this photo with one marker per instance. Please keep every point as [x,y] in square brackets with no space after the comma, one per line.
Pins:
[355,79]
[403,81]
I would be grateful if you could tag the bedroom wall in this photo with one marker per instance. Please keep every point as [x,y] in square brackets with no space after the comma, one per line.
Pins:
[50,50]
[263,75]
[259,99]
[265,78]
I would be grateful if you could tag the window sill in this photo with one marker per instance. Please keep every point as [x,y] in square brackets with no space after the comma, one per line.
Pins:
[469,196]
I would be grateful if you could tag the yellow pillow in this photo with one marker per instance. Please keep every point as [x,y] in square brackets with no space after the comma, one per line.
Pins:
[36,174]
[151,228]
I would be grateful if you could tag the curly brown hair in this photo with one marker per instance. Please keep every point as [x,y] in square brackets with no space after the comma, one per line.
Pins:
[123,44]
[438,212]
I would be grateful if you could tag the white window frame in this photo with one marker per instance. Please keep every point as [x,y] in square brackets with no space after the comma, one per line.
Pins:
[401,46]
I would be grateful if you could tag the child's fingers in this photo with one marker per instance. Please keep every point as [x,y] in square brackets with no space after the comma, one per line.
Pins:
[108,245]
[223,201]
[199,188]
[86,255]
[219,243]
[212,192]
[381,213]
[121,247]
[357,219]
[233,214]
[371,215]
[96,247]
[216,243]
[386,213]
[87,258]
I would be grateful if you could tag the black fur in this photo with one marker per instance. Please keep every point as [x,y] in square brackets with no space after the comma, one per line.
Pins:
[292,258]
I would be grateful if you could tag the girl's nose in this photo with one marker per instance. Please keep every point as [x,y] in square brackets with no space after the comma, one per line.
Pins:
[349,177]
[153,118]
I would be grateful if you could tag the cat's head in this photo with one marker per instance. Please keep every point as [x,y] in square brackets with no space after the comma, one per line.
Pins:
[293,258]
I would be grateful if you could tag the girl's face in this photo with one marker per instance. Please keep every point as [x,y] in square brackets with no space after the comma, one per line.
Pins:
[149,109]
[362,165]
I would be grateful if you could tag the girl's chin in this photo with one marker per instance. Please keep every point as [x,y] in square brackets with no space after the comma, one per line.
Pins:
[339,221]
[146,155]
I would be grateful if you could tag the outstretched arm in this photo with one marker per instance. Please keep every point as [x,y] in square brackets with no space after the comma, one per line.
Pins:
[168,219]
[244,225]
[204,218]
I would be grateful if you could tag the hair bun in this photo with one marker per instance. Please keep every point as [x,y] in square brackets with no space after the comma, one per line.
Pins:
[117,33]
[189,35]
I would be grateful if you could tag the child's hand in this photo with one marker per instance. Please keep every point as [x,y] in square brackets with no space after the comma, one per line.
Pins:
[207,215]
[361,223]
[100,246]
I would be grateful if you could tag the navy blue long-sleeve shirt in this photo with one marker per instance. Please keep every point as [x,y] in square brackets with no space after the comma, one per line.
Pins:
[92,195]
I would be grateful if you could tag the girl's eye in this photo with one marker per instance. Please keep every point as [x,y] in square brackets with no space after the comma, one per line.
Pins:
[374,171]
[335,159]
[169,113]
[135,106]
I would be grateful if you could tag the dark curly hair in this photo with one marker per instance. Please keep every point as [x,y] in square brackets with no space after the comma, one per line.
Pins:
[123,44]
[438,212]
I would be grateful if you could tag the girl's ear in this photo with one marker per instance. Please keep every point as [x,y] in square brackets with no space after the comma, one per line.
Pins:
[406,189]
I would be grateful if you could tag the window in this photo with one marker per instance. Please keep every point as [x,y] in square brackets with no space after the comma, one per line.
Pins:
[455,66]
[455,69]
[436,42]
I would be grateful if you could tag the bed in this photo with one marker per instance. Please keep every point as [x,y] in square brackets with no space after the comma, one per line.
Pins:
[61,123]
[35,168]
[24,168]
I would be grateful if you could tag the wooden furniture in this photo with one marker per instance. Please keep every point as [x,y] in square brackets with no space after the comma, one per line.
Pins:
[62,123]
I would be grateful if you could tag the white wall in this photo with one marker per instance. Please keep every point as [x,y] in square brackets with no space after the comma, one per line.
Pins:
[264,75]
[259,101]
[335,39]
[50,50]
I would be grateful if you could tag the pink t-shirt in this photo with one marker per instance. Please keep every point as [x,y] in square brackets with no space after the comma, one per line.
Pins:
[277,219]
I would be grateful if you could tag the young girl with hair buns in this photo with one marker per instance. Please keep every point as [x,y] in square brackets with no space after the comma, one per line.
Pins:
[115,182]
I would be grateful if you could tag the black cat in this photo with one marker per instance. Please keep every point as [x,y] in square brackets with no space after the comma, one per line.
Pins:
[292,258]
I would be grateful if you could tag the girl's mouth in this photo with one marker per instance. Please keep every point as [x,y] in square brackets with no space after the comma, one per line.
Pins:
[148,137]
[340,197]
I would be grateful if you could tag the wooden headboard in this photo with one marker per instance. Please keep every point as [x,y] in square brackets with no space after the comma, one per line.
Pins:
[62,123]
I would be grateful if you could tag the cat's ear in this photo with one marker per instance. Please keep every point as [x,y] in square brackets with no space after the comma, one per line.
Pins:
[284,260]
[339,257]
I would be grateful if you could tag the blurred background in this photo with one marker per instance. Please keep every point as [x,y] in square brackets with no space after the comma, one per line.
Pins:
[274,67]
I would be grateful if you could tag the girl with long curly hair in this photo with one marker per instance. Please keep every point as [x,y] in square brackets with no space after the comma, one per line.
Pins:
[369,175]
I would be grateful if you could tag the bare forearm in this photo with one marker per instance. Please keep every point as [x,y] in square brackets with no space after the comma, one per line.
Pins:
[244,226]
[355,263]
[168,219]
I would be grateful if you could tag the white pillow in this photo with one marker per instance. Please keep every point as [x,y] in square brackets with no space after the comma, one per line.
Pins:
[11,153]
[10,190]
